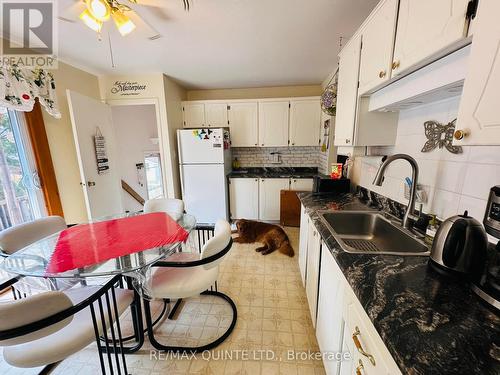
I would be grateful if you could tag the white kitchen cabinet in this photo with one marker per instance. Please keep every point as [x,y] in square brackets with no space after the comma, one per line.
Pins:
[194,115]
[304,229]
[216,115]
[347,96]
[301,184]
[425,28]
[329,323]
[273,123]
[478,120]
[269,197]
[312,274]
[243,124]
[305,122]
[377,46]
[244,198]
[359,325]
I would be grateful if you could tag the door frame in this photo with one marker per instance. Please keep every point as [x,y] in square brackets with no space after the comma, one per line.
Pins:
[159,127]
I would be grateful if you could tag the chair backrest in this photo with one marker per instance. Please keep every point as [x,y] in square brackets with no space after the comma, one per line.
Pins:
[221,238]
[15,238]
[173,207]
[15,314]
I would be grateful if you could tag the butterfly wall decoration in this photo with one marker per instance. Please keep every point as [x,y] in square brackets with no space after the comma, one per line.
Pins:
[439,135]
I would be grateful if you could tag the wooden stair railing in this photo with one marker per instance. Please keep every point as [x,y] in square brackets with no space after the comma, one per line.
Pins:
[133,193]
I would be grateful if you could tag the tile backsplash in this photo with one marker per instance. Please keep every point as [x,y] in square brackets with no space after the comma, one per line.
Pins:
[289,156]
[454,183]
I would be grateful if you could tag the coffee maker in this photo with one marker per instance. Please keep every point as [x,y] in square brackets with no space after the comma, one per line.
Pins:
[488,287]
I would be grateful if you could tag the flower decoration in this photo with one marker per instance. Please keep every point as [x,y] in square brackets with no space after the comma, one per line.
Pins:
[329,100]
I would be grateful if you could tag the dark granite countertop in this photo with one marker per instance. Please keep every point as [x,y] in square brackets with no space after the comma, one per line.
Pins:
[274,172]
[430,323]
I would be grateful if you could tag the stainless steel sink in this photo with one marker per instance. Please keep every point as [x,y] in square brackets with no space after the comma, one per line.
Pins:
[371,233]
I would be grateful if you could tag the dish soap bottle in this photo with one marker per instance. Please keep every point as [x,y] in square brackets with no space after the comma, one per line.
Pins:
[432,228]
[236,163]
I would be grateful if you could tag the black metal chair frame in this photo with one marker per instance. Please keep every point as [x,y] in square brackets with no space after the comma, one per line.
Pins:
[177,264]
[109,347]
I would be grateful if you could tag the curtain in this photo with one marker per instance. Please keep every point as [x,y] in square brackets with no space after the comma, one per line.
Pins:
[20,86]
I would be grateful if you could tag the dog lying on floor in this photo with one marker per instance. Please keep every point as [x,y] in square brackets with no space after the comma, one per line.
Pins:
[272,236]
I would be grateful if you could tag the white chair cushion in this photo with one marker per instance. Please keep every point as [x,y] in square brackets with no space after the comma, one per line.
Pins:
[29,310]
[70,339]
[173,207]
[17,237]
[170,282]
[221,238]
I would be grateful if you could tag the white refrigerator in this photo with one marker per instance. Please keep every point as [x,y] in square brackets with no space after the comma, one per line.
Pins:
[205,161]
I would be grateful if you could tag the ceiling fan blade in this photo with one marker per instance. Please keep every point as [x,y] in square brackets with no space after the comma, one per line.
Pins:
[144,26]
[72,12]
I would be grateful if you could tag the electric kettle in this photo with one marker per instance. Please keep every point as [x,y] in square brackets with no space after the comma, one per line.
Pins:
[460,246]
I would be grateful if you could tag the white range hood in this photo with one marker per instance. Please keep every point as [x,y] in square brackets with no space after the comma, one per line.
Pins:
[440,80]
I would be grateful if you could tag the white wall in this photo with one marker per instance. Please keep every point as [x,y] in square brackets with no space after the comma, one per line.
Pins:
[456,182]
[134,126]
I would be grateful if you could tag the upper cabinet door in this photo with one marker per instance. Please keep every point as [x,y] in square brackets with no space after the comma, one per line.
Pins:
[378,43]
[194,115]
[273,123]
[243,124]
[216,114]
[478,116]
[347,95]
[426,27]
[305,122]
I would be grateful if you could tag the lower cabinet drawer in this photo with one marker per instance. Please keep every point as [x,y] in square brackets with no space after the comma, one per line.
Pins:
[372,357]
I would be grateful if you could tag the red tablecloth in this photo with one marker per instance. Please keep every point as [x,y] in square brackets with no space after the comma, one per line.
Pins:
[85,245]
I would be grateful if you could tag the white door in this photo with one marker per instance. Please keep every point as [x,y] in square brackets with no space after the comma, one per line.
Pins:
[329,322]
[194,115]
[216,115]
[200,146]
[378,44]
[479,115]
[312,275]
[243,124]
[244,198]
[301,184]
[269,197]
[304,229]
[102,191]
[204,192]
[347,96]
[273,123]
[445,24]
[305,122]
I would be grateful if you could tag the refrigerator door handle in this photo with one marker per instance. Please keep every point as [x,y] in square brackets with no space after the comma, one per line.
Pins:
[179,145]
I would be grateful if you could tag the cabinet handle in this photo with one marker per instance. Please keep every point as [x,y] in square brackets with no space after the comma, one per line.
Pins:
[355,338]
[347,141]
[256,179]
[293,144]
[256,144]
[460,134]
[359,367]
[262,144]
[382,74]
[395,64]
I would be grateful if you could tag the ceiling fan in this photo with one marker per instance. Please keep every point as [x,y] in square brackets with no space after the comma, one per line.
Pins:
[94,13]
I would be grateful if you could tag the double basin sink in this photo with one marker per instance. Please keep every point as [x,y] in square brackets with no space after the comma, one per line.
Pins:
[370,232]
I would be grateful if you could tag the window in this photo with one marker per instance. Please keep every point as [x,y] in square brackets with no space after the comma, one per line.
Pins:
[21,197]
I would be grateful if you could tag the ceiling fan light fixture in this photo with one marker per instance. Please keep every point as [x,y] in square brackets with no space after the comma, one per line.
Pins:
[92,22]
[100,9]
[123,23]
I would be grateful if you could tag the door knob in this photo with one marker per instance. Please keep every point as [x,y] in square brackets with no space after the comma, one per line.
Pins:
[359,367]
[382,74]
[90,183]
[395,64]
[460,134]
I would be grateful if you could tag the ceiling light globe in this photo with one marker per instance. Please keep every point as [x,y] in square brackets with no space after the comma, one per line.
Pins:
[99,8]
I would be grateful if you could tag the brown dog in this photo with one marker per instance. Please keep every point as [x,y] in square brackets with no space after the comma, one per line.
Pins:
[272,236]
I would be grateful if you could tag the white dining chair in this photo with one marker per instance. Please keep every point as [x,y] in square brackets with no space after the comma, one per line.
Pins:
[173,207]
[19,236]
[46,328]
[186,275]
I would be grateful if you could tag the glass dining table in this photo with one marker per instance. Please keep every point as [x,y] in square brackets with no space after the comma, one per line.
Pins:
[126,244]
